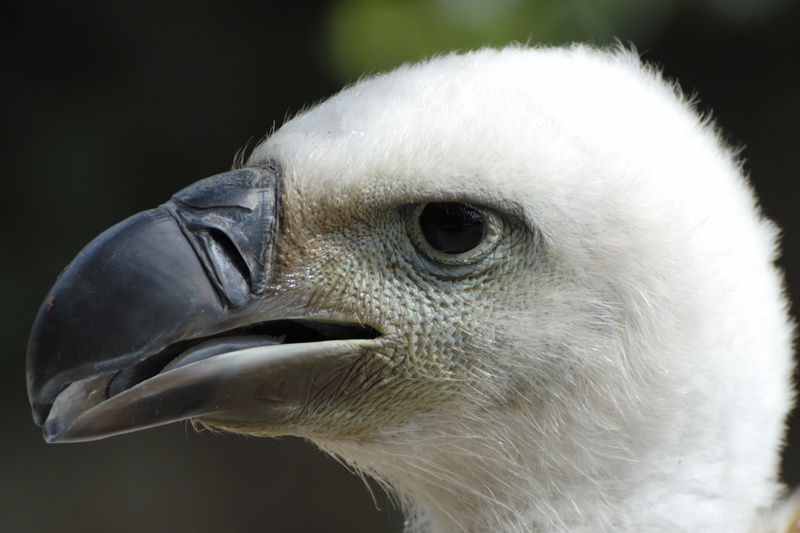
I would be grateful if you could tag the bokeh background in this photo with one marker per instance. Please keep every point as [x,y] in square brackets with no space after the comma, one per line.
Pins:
[109,107]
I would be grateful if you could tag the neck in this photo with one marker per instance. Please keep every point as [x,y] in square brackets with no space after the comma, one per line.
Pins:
[547,480]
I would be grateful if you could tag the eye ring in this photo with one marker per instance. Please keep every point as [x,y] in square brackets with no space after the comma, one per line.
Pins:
[454,233]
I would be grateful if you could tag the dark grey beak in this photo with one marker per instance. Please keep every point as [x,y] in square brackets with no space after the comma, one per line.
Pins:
[166,316]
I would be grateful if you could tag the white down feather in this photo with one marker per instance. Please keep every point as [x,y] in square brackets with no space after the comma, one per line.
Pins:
[638,378]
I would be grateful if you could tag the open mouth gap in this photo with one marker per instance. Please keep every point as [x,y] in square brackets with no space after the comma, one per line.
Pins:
[289,331]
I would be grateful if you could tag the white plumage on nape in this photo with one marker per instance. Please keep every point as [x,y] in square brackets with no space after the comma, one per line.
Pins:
[575,319]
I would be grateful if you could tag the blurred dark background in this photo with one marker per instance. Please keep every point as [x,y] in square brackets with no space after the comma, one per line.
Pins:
[109,107]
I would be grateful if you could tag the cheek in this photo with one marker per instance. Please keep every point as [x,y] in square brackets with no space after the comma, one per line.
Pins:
[437,335]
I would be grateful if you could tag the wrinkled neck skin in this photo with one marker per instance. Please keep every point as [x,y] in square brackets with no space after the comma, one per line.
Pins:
[513,479]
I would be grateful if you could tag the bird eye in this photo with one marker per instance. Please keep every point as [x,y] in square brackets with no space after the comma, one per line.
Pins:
[454,233]
[452,228]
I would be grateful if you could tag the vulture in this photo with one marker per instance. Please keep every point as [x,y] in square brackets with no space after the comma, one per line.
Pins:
[527,289]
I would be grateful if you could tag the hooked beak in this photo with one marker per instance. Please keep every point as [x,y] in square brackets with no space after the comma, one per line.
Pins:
[168,316]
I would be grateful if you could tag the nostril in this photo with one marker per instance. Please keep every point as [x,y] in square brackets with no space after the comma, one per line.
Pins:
[230,221]
[229,267]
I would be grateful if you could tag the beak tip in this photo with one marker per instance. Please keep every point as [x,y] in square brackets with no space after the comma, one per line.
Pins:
[40,412]
[49,437]
[52,430]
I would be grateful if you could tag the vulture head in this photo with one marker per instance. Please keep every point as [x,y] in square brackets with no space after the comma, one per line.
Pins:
[528,289]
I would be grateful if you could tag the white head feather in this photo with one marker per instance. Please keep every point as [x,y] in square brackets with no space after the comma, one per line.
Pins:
[632,373]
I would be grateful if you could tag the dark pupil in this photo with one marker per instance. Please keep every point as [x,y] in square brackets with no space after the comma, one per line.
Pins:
[452,228]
